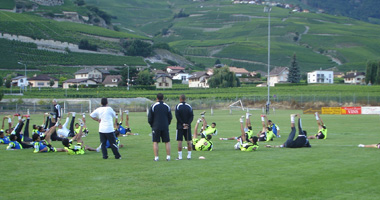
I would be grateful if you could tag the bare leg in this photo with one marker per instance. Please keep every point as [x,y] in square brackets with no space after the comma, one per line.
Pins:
[155,149]
[167,146]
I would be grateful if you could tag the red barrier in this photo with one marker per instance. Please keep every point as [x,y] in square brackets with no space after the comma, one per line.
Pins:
[351,110]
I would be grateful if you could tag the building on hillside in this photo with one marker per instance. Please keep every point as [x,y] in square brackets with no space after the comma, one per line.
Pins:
[320,76]
[355,78]
[262,73]
[91,73]
[338,74]
[77,82]
[19,81]
[112,80]
[49,2]
[278,75]
[163,81]
[181,75]
[199,80]
[239,72]
[42,80]
[171,68]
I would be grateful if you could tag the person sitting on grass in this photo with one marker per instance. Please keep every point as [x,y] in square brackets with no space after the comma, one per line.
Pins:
[203,144]
[79,148]
[42,143]
[300,141]
[246,142]
[247,129]
[62,131]
[124,130]
[206,129]
[266,134]
[377,146]
[322,130]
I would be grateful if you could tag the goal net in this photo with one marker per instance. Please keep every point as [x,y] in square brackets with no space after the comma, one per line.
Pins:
[77,105]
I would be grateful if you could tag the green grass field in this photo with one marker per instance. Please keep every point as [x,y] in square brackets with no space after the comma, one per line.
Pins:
[332,169]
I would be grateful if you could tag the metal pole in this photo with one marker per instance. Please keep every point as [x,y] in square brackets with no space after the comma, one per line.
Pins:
[267,8]
[128,76]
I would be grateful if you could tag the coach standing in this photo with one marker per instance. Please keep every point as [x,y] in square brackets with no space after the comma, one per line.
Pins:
[184,114]
[57,110]
[104,115]
[159,118]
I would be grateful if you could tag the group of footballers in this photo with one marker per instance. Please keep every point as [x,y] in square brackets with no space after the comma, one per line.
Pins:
[17,136]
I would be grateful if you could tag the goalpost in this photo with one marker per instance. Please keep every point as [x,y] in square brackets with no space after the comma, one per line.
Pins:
[238,105]
[77,105]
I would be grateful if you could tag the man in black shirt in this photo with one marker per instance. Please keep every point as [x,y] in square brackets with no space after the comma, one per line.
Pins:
[184,114]
[300,141]
[159,118]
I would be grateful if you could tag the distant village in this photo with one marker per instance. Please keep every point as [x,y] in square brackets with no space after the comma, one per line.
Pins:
[293,8]
[93,77]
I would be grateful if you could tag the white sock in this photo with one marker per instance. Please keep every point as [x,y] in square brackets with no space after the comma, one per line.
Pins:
[168,157]
[246,115]
[292,119]
[316,117]
[262,119]
[156,157]
[73,114]
[84,116]
[180,154]
[19,117]
[117,117]
[189,154]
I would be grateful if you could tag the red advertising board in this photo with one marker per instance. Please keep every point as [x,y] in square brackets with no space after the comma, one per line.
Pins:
[351,110]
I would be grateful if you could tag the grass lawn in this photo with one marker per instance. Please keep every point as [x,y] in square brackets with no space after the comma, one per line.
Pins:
[332,169]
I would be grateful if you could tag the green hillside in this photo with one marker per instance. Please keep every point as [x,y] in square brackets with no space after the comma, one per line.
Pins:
[238,33]
[7,4]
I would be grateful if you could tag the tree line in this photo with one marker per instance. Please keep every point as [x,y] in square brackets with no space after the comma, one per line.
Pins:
[372,75]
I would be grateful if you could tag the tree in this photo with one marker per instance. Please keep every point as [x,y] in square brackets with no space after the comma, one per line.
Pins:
[223,78]
[1,81]
[217,62]
[378,74]
[371,71]
[124,75]
[145,78]
[138,48]
[8,82]
[294,75]
[258,75]
[51,82]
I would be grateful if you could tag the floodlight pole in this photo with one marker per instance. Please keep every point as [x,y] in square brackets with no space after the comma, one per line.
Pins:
[128,76]
[26,79]
[267,9]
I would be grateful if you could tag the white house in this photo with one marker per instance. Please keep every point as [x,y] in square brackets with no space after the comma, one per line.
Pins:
[112,80]
[91,73]
[356,78]
[239,72]
[20,81]
[171,68]
[199,80]
[43,80]
[71,82]
[278,75]
[163,81]
[320,76]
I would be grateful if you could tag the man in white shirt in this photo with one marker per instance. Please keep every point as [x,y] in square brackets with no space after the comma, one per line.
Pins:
[62,131]
[105,115]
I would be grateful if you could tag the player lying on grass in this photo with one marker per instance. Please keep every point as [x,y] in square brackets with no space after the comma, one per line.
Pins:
[77,127]
[10,125]
[203,144]
[247,129]
[62,129]
[206,129]
[42,143]
[322,130]
[246,142]
[124,130]
[377,146]
[17,132]
[14,144]
[3,139]
[300,141]
[266,134]
[108,145]
[79,148]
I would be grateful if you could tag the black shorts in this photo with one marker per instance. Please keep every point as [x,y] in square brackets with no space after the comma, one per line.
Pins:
[157,135]
[262,138]
[184,133]
[320,136]
[128,130]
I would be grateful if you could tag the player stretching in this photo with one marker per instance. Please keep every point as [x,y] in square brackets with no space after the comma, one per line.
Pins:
[206,129]
[42,143]
[266,134]
[124,130]
[377,146]
[246,142]
[203,144]
[322,130]
[79,148]
[300,141]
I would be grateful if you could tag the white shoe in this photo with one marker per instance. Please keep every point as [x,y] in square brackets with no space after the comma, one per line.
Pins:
[199,120]
[361,145]
[98,149]
[126,112]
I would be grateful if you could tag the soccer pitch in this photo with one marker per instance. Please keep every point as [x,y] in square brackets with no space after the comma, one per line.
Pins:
[334,168]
